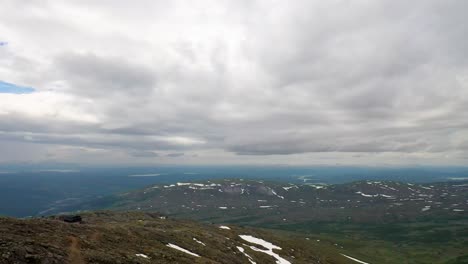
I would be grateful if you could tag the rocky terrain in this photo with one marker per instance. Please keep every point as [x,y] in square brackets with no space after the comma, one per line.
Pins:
[137,237]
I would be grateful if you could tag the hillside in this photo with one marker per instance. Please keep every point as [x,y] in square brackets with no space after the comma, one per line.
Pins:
[137,237]
[271,202]
[380,221]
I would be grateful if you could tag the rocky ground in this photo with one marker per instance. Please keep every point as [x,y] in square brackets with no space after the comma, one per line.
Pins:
[136,237]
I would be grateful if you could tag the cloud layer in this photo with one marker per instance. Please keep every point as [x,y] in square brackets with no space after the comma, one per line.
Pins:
[307,82]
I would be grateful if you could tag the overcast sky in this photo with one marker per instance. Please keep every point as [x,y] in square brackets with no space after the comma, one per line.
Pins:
[234,82]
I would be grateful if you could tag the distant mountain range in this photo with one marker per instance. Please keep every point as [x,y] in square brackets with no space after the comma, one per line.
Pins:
[247,201]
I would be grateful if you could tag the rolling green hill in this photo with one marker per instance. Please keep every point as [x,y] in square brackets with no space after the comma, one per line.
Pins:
[381,222]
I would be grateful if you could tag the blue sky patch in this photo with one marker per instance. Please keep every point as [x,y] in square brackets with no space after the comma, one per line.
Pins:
[14,89]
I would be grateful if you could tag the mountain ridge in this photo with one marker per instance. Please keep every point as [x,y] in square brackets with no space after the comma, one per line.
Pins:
[139,237]
[361,201]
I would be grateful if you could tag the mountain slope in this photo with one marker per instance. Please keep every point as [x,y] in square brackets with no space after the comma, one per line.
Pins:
[379,221]
[136,237]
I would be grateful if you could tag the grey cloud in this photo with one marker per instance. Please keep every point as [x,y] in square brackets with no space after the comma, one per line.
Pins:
[144,154]
[175,155]
[253,78]
[303,145]
[93,75]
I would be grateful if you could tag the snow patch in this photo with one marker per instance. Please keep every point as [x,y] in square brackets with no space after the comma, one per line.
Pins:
[317,186]
[357,260]
[182,249]
[367,195]
[241,249]
[374,195]
[199,242]
[142,255]
[427,207]
[225,227]
[269,246]
[289,187]
[279,196]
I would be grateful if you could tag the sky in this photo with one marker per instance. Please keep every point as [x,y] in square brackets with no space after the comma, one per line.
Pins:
[334,82]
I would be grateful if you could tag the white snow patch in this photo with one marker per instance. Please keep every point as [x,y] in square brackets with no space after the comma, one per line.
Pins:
[265,244]
[183,183]
[357,260]
[317,186]
[200,187]
[225,227]
[374,195]
[290,187]
[142,255]
[458,210]
[182,249]
[241,249]
[279,196]
[222,207]
[367,195]
[427,207]
[199,242]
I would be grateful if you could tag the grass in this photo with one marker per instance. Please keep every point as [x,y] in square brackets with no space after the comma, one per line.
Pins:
[438,242]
